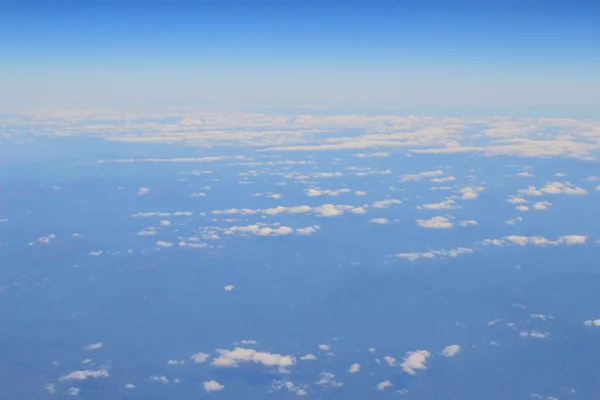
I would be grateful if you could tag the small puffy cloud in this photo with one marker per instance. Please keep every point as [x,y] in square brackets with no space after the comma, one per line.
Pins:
[470,193]
[525,174]
[324,347]
[161,243]
[198,194]
[516,200]
[358,210]
[165,223]
[328,210]
[161,379]
[231,358]
[46,239]
[451,351]
[93,346]
[200,357]
[50,388]
[420,175]
[143,191]
[534,334]
[175,362]
[414,361]
[537,240]
[391,361]
[383,385]
[213,386]
[354,368]
[82,375]
[130,386]
[385,203]
[381,221]
[363,193]
[228,288]
[592,323]
[435,223]
[434,253]
[522,208]
[73,391]
[95,253]
[468,222]
[448,204]
[307,230]
[541,205]
[308,357]
[554,188]
[326,378]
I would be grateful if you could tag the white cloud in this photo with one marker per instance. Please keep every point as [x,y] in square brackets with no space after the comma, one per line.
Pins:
[46,239]
[317,192]
[161,379]
[420,175]
[381,221]
[554,188]
[93,346]
[130,386]
[414,361]
[143,191]
[448,204]
[231,358]
[50,388]
[385,203]
[451,351]
[358,210]
[213,386]
[391,361]
[354,368]
[326,378]
[525,174]
[363,193]
[95,253]
[590,323]
[175,362]
[324,347]
[434,253]
[470,193]
[307,230]
[308,357]
[200,357]
[435,223]
[516,200]
[198,194]
[229,288]
[383,385]
[468,222]
[82,375]
[541,205]
[73,391]
[161,243]
[522,208]
[534,334]
[537,240]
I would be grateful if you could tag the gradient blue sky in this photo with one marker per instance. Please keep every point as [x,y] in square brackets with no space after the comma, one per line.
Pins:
[423,55]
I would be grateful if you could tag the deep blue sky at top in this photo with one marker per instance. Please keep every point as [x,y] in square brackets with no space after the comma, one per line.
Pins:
[421,51]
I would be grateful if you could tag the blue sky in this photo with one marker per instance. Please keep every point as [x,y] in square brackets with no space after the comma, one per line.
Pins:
[466,56]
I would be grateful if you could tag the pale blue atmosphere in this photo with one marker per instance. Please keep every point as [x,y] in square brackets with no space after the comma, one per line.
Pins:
[287,200]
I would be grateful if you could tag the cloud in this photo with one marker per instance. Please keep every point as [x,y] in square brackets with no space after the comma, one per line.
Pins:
[363,193]
[434,253]
[358,210]
[50,388]
[200,357]
[326,378]
[470,193]
[435,223]
[414,361]
[534,334]
[316,192]
[516,200]
[354,368]
[73,391]
[381,221]
[46,239]
[522,208]
[554,188]
[175,362]
[541,205]
[383,385]
[197,194]
[385,203]
[95,253]
[232,358]
[468,222]
[451,351]
[448,204]
[537,240]
[161,379]
[82,375]
[93,346]
[379,154]
[229,288]
[391,361]
[161,243]
[130,386]
[592,323]
[143,191]
[213,386]
[420,175]
[308,230]
[308,357]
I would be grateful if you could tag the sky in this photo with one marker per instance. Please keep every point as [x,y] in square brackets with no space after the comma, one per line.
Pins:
[427,57]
